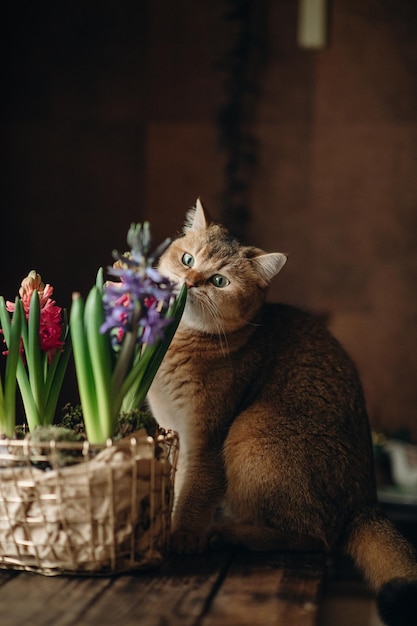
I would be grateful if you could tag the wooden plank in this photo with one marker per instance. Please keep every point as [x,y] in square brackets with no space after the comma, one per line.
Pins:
[208,590]
[47,601]
[269,590]
[175,595]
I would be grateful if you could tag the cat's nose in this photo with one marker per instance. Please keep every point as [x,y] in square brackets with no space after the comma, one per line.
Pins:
[193,279]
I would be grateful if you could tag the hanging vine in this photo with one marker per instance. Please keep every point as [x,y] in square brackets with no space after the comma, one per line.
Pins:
[242,65]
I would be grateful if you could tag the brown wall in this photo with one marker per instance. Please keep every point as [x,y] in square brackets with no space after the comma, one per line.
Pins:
[111,118]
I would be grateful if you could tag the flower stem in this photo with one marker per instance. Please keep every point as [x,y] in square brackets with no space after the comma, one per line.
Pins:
[127,354]
[55,377]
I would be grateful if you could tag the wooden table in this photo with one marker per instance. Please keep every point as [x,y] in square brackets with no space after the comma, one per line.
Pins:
[221,589]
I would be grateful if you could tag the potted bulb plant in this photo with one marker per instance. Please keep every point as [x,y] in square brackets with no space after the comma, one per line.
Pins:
[91,499]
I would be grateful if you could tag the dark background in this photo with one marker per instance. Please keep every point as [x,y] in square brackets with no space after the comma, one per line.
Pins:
[122,111]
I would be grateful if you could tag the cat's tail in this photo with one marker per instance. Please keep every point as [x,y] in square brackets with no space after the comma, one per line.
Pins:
[388,562]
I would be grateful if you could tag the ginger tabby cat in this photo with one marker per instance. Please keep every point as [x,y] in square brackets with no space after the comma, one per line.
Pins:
[272,422]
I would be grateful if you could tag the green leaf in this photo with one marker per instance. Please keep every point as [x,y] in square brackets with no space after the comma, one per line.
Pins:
[31,409]
[33,353]
[101,361]
[141,376]
[32,414]
[100,279]
[84,370]
[8,398]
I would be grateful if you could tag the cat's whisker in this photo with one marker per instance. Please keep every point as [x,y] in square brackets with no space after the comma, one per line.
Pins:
[212,309]
[215,313]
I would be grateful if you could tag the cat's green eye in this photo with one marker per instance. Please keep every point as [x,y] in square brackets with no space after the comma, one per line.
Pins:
[219,281]
[187,259]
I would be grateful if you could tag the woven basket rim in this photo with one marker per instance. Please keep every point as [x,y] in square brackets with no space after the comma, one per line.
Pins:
[128,442]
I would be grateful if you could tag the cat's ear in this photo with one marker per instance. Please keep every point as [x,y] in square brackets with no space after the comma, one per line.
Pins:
[269,264]
[196,218]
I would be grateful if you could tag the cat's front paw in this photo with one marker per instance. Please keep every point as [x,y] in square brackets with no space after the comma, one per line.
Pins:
[184,541]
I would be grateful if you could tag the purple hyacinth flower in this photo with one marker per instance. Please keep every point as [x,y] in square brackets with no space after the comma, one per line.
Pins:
[139,302]
[153,325]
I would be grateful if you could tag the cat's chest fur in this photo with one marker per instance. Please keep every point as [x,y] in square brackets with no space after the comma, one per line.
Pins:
[173,393]
[195,390]
[184,381]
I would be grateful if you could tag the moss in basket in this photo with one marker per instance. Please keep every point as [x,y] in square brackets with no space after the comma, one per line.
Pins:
[72,419]
[71,429]
[131,421]
[44,435]
[128,422]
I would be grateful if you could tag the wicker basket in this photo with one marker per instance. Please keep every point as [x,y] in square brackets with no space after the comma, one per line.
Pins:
[107,512]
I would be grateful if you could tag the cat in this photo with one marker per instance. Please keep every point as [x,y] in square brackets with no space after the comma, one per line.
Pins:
[272,421]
